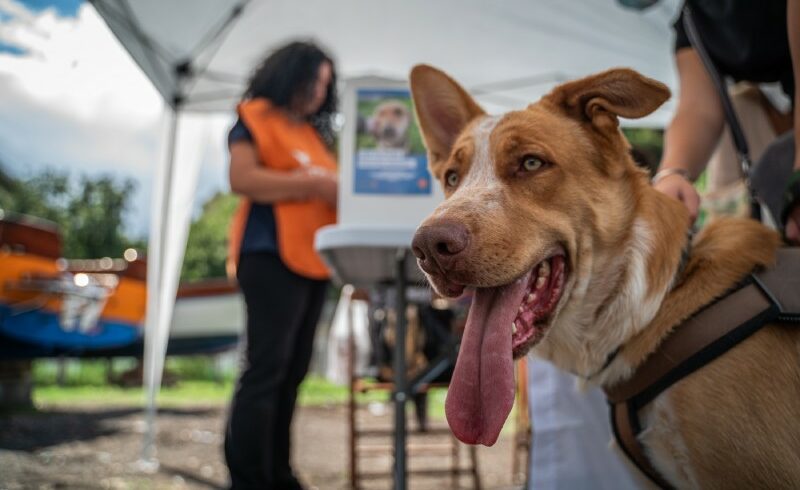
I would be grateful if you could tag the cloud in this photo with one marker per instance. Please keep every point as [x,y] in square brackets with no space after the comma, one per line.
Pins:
[78,69]
[72,98]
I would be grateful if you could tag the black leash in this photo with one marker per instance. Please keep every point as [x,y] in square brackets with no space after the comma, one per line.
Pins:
[757,208]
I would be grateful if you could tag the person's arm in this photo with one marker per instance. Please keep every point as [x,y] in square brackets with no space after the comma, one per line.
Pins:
[251,179]
[793,30]
[693,133]
[697,125]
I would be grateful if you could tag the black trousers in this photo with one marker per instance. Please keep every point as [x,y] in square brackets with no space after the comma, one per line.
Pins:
[282,313]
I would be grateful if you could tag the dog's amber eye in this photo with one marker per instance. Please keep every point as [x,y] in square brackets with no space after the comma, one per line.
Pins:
[451,178]
[531,163]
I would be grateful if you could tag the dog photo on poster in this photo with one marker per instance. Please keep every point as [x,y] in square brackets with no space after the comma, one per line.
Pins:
[390,157]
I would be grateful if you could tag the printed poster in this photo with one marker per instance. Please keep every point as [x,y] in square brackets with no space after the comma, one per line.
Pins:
[389,155]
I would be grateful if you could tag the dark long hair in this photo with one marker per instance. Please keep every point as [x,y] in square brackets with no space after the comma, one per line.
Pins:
[290,72]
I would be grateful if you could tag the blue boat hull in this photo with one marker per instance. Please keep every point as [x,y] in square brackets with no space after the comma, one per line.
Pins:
[41,327]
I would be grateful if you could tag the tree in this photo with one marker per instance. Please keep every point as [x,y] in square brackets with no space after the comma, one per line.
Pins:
[89,213]
[6,182]
[207,245]
[7,186]
[648,145]
[43,196]
[96,212]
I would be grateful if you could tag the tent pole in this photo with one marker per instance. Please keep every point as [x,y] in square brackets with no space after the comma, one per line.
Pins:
[401,389]
[148,447]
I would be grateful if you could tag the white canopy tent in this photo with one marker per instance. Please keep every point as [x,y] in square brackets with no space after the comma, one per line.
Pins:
[199,53]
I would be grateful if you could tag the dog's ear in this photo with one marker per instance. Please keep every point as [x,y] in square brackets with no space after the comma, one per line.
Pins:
[602,97]
[443,109]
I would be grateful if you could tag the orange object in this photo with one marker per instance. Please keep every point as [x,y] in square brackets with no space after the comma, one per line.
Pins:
[15,267]
[128,302]
[278,141]
[125,304]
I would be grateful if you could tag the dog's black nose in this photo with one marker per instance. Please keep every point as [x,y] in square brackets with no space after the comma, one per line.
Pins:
[440,244]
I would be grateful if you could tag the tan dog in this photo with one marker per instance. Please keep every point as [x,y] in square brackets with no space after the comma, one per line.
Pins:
[389,125]
[571,254]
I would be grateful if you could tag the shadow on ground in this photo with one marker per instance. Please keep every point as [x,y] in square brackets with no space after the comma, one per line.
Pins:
[32,430]
[99,447]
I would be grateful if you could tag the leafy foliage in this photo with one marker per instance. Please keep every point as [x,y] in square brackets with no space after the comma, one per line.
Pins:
[89,212]
[6,182]
[207,245]
[648,144]
[96,212]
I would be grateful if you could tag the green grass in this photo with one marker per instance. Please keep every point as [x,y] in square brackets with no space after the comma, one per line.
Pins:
[314,391]
[185,393]
[198,382]
[91,372]
[317,391]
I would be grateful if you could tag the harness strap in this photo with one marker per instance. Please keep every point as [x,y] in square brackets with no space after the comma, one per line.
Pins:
[625,425]
[767,296]
[694,343]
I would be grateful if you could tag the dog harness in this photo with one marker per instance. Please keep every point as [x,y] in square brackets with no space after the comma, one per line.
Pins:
[764,297]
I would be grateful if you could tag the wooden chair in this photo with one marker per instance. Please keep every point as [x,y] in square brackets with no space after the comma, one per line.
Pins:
[370,443]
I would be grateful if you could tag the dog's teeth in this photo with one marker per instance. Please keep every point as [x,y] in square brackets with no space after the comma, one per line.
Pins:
[544,269]
[540,282]
[531,298]
[513,327]
[521,308]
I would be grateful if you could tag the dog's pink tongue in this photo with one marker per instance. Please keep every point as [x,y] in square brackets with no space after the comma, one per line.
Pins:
[481,392]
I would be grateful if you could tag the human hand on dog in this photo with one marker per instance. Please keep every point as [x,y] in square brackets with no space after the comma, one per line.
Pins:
[678,187]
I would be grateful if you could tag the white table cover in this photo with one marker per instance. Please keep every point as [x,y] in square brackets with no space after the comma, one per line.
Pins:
[571,435]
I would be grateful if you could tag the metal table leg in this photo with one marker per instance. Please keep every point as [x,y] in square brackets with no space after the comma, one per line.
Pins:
[400,382]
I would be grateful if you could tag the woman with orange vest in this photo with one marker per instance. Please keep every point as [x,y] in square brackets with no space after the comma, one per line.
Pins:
[282,167]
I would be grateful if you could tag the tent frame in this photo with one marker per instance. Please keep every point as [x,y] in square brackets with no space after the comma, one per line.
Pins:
[185,73]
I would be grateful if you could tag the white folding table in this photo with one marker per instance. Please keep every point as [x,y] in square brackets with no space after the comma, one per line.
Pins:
[370,256]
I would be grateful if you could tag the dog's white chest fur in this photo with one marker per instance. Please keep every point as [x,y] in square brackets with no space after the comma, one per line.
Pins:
[601,317]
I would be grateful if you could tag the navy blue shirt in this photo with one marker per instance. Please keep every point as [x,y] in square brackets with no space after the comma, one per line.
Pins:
[260,232]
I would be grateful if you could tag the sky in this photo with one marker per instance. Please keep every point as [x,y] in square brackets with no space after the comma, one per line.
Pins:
[72,99]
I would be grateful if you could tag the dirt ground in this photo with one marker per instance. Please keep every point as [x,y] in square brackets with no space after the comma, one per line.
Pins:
[93,448]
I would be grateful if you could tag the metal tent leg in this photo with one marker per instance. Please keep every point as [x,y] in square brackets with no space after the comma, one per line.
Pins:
[400,382]
[152,380]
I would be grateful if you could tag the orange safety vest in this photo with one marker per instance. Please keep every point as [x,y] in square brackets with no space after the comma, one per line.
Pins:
[278,141]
